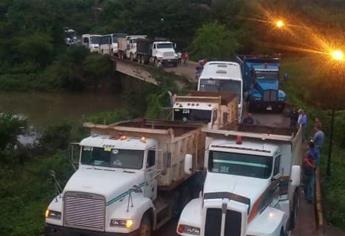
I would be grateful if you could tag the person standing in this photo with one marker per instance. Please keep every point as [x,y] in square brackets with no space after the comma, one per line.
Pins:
[302,122]
[293,119]
[309,172]
[318,138]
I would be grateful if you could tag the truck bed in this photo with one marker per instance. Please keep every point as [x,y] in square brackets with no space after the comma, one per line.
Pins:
[139,127]
[175,140]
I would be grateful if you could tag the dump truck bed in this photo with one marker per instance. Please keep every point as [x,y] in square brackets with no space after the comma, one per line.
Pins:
[175,140]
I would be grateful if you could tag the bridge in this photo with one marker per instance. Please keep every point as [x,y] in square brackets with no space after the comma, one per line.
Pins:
[310,220]
[144,72]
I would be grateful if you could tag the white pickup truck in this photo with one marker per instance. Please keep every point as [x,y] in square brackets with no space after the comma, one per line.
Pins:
[251,185]
[133,177]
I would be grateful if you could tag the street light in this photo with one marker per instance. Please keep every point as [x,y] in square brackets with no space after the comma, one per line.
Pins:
[279,24]
[337,55]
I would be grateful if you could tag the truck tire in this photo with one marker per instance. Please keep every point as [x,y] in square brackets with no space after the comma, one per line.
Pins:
[145,226]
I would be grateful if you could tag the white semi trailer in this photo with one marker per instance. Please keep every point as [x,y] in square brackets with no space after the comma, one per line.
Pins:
[132,178]
[251,185]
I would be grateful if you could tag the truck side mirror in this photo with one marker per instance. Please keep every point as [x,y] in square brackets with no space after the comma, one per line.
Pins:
[74,155]
[295,175]
[188,164]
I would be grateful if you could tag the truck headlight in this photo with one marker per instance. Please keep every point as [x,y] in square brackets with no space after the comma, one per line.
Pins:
[187,229]
[121,223]
[53,214]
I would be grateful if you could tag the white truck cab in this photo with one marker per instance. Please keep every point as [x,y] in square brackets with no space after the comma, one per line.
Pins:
[126,180]
[164,52]
[223,76]
[108,170]
[214,109]
[250,187]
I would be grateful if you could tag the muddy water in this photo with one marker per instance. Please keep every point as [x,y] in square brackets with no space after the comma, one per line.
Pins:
[43,109]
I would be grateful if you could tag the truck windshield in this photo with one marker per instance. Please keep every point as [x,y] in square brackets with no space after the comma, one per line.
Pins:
[271,75]
[165,45]
[192,115]
[240,164]
[95,39]
[115,158]
[220,85]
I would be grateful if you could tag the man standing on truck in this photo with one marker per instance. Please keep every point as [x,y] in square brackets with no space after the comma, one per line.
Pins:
[309,172]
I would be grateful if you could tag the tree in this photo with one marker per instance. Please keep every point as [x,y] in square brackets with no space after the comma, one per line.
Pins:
[214,41]
[97,67]
[10,127]
[36,47]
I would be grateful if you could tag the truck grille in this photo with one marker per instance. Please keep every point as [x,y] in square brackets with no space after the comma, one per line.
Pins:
[213,223]
[270,96]
[84,211]
[168,54]
[233,223]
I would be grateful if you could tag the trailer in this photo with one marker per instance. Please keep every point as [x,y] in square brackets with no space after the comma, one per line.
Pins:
[251,186]
[133,177]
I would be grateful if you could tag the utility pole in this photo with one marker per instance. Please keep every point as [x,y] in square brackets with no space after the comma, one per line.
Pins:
[330,143]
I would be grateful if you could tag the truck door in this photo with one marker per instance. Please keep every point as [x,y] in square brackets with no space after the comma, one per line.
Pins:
[150,185]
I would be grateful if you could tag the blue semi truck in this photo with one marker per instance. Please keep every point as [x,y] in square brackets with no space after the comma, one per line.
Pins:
[261,83]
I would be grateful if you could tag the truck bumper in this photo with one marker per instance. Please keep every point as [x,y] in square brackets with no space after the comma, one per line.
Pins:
[167,62]
[55,230]
[266,106]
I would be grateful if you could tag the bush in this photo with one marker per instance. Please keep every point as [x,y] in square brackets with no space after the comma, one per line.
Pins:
[10,127]
[56,137]
[108,117]
[214,41]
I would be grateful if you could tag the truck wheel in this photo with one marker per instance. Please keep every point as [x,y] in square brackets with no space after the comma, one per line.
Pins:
[145,226]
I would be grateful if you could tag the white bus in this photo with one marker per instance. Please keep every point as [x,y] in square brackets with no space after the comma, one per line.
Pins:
[223,76]
[109,44]
[91,41]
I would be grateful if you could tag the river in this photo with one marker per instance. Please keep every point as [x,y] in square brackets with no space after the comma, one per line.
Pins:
[43,109]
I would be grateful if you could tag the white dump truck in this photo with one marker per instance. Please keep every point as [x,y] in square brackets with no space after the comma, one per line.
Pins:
[127,46]
[215,109]
[223,76]
[251,185]
[156,51]
[133,177]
